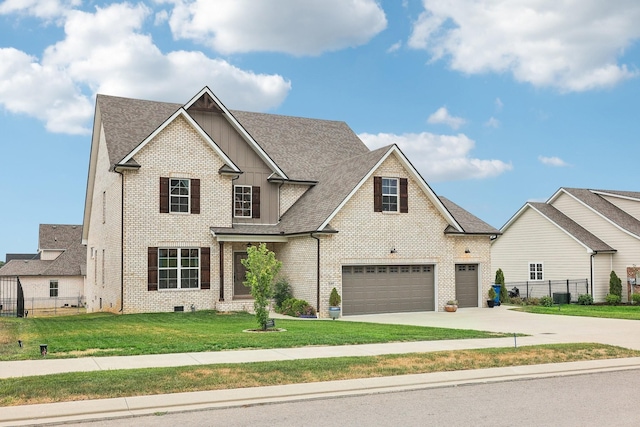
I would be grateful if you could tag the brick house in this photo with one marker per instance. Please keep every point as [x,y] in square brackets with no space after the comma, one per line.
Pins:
[176,193]
[56,274]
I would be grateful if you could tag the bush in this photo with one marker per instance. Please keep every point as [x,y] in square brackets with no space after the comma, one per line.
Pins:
[612,299]
[585,299]
[615,285]
[334,298]
[635,298]
[516,301]
[546,301]
[533,301]
[499,280]
[281,292]
[297,307]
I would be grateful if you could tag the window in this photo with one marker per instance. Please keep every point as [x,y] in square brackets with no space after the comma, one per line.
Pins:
[390,194]
[178,268]
[53,288]
[242,201]
[535,271]
[179,195]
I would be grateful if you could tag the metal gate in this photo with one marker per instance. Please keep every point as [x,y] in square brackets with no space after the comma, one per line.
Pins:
[11,297]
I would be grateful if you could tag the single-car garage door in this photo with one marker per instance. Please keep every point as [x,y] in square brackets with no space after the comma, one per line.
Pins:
[467,285]
[387,288]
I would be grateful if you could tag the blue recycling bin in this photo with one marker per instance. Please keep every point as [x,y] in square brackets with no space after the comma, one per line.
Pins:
[497,289]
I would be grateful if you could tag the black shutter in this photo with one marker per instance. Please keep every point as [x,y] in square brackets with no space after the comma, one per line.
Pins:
[377,194]
[195,196]
[255,202]
[205,268]
[152,269]
[404,195]
[164,195]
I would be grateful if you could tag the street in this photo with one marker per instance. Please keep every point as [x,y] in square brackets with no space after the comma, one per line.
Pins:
[601,399]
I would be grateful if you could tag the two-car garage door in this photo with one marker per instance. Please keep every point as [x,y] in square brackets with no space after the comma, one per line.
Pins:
[387,288]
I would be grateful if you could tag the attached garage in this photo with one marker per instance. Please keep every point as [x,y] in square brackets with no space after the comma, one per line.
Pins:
[467,285]
[387,288]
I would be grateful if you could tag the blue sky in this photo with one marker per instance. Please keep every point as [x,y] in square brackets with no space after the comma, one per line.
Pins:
[494,102]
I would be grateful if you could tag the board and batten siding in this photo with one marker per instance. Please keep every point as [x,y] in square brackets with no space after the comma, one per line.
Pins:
[627,246]
[533,238]
[255,169]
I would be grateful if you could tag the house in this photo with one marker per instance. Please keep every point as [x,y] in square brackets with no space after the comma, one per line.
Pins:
[576,234]
[176,193]
[56,274]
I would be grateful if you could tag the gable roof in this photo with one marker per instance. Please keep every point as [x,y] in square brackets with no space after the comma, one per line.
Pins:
[603,208]
[572,228]
[470,224]
[72,261]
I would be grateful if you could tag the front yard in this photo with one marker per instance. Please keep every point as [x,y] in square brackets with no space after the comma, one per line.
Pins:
[631,312]
[104,334]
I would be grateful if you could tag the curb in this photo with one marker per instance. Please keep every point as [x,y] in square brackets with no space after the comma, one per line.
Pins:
[192,401]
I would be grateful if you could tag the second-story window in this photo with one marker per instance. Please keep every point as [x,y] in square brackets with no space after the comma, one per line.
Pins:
[242,201]
[179,195]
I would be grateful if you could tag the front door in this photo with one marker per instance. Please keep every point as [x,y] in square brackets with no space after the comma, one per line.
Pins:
[239,272]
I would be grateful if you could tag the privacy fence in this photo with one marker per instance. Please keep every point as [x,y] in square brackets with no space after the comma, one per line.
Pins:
[562,291]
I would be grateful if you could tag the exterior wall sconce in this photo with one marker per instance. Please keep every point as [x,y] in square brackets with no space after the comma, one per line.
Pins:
[393,250]
[467,251]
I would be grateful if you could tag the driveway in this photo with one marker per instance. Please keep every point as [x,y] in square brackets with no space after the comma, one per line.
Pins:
[540,328]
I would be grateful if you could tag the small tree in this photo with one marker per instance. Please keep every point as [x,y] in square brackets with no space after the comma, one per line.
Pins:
[262,266]
[615,284]
[334,298]
[500,281]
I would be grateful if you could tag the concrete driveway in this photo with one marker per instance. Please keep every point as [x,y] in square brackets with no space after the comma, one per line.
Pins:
[541,328]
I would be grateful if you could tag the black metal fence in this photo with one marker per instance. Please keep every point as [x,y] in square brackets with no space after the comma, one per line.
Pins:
[562,291]
[11,297]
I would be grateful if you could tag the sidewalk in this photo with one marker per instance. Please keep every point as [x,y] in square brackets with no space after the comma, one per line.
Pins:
[543,330]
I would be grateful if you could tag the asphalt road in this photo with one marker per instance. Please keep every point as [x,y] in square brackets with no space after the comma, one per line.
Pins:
[602,399]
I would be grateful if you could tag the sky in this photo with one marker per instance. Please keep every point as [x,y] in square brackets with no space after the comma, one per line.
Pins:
[495,102]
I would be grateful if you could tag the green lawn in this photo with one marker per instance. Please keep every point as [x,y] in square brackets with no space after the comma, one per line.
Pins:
[118,335]
[138,382]
[611,311]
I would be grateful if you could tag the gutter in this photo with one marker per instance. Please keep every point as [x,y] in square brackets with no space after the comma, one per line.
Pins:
[121,240]
[594,253]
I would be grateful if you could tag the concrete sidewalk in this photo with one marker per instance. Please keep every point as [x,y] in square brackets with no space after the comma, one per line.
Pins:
[542,329]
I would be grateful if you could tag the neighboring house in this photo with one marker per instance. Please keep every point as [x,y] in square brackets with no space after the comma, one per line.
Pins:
[576,234]
[56,272]
[176,193]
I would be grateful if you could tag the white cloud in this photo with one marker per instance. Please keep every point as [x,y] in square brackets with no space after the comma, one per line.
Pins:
[45,9]
[442,116]
[290,26]
[440,157]
[394,47]
[106,52]
[552,161]
[499,104]
[492,123]
[567,45]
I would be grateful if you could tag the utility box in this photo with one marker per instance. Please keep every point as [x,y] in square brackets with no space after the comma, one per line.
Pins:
[561,298]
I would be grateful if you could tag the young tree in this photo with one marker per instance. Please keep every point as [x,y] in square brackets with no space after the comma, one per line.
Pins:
[262,266]
[500,281]
[615,284]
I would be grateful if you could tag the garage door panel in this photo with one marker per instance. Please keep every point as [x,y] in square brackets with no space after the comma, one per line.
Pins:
[386,289]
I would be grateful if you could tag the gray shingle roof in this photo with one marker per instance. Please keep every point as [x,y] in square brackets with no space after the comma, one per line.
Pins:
[469,223]
[630,194]
[306,149]
[72,262]
[606,209]
[571,227]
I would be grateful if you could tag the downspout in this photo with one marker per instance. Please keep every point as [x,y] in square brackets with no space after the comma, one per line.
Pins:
[317,274]
[594,253]
[121,241]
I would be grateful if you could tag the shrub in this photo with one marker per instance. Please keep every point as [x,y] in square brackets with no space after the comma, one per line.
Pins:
[635,298]
[612,299]
[492,293]
[281,292]
[297,307]
[533,301]
[516,301]
[499,280]
[334,298]
[585,299]
[615,285]
[546,301]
